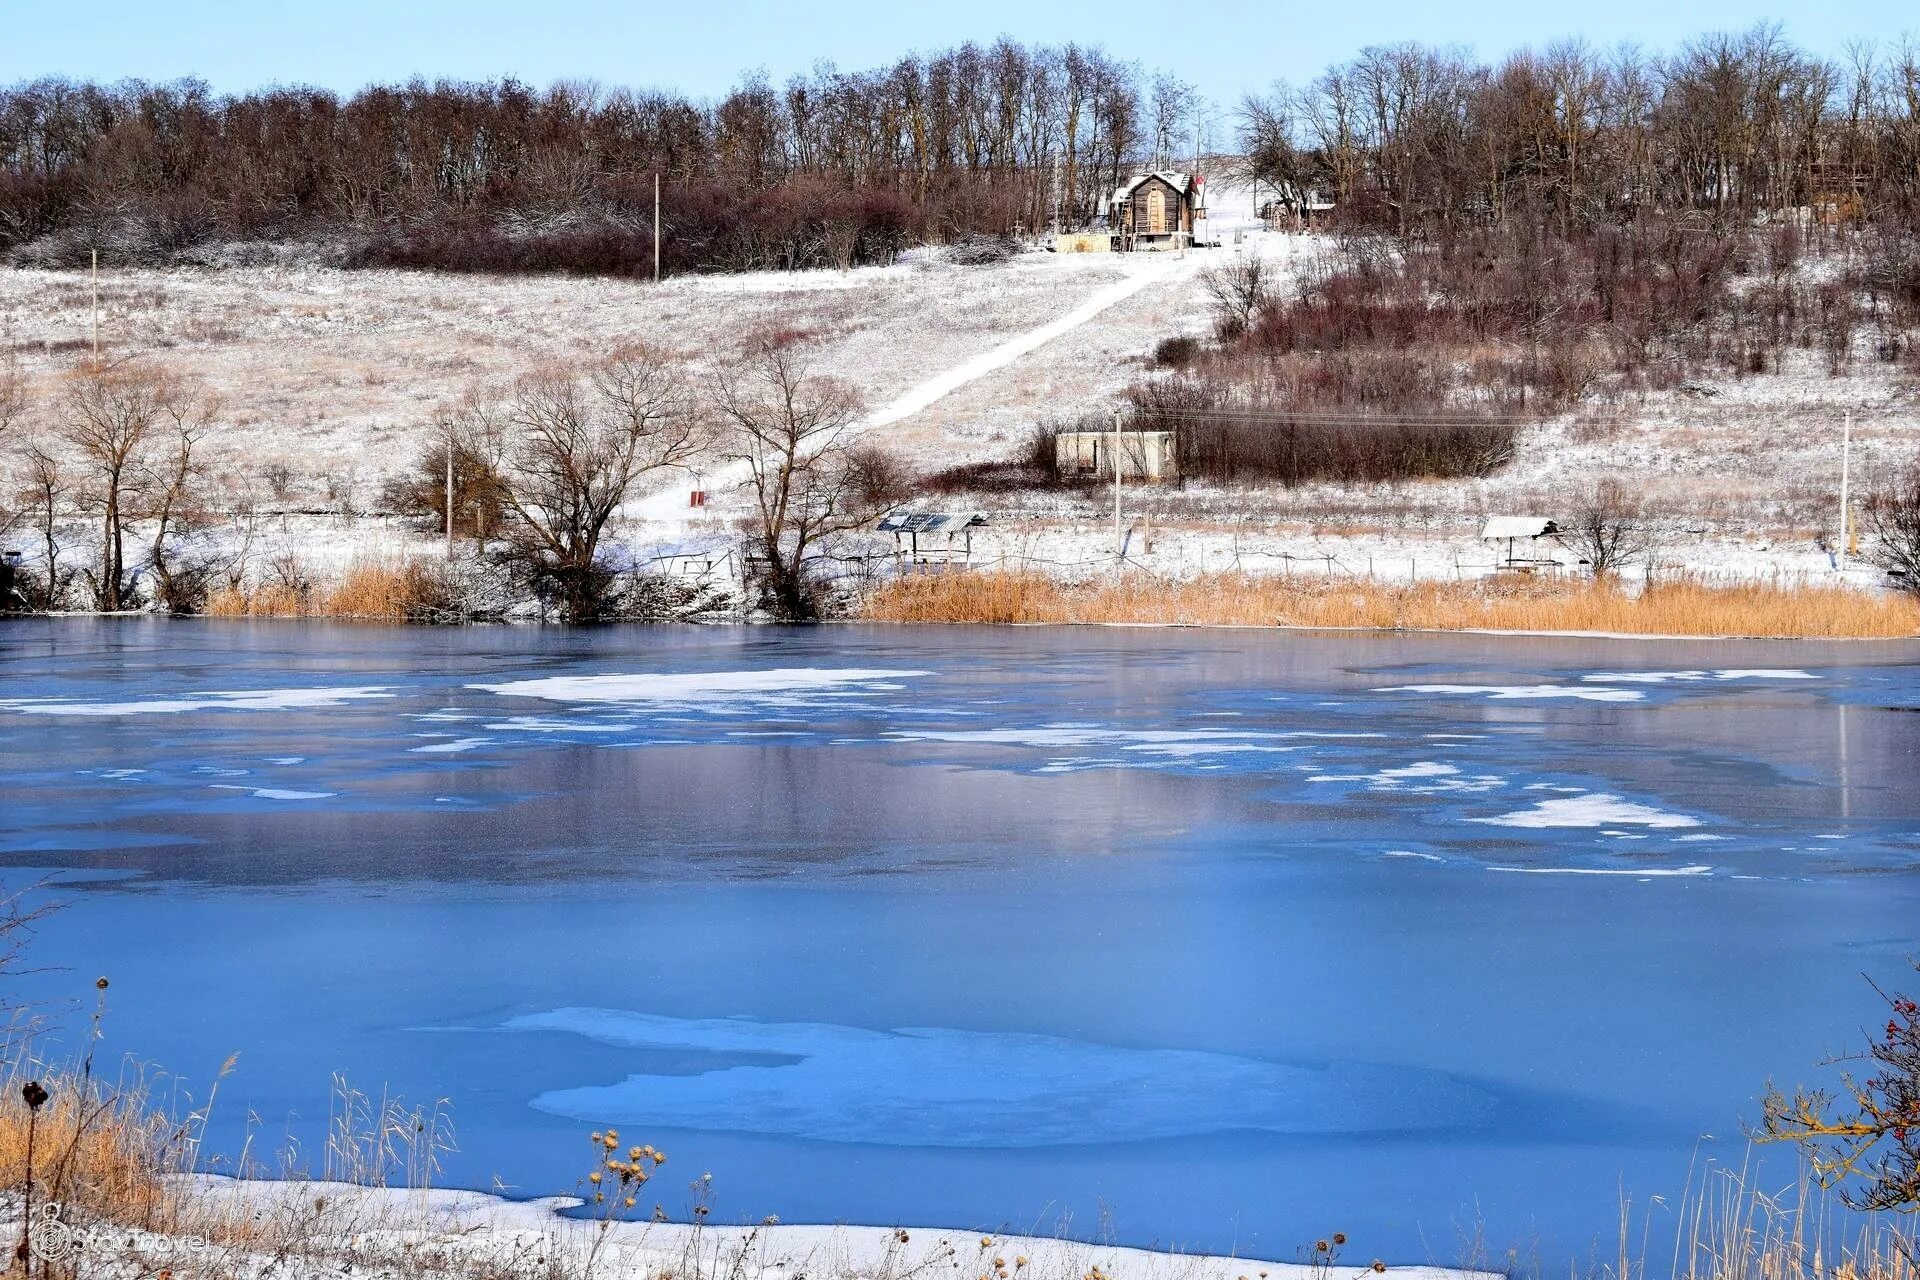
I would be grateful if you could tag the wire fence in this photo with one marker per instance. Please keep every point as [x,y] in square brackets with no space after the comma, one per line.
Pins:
[736,568]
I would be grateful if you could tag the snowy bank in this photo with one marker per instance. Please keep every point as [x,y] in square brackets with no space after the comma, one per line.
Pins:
[473,1232]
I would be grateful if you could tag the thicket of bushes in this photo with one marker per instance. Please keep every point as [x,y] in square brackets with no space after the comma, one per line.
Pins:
[831,168]
[1419,356]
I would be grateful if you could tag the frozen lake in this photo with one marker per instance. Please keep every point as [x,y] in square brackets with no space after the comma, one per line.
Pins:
[1218,939]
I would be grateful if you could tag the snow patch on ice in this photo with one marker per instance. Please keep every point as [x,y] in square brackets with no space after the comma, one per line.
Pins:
[1523,691]
[247,700]
[1690,677]
[1638,873]
[273,793]
[1423,777]
[1596,809]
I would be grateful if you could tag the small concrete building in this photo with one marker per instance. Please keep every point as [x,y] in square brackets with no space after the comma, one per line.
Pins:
[1144,455]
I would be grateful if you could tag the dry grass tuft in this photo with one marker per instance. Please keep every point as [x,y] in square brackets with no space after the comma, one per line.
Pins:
[104,1151]
[370,590]
[1692,607]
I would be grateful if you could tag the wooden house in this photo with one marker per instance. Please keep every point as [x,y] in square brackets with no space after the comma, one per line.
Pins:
[1159,210]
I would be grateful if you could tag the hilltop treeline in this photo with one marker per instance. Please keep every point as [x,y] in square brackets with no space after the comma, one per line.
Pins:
[831,168]
[1409,139]
[837,167]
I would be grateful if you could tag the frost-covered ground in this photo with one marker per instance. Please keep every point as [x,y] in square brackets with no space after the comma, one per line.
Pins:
[329,380]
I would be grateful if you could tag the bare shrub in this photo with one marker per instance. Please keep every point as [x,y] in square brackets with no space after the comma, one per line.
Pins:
[980,250]
[1607,528]
[421,491]
[1036,466]
[1240,291]
[1220,437]
[1893,517]
[1177,352]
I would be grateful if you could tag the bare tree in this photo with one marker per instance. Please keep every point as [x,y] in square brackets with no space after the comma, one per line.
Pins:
[171,488]
[113,413]
[808,479]
[566,447]
[1608,528]
[1240,290]
[1893,517]
[45,488]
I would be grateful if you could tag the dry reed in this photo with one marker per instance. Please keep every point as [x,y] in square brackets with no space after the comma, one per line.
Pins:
[1684,606]
[370,590]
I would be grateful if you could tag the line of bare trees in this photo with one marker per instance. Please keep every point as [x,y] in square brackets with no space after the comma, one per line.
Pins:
[835,165]
[119,447]
[559,452]
[1408,137]
[840,166]
[544,466]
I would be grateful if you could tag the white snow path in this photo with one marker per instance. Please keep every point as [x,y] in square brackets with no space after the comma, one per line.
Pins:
[671,506]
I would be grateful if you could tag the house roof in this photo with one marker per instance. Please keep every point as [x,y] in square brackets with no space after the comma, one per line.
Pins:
[1178,181]
[1518,527]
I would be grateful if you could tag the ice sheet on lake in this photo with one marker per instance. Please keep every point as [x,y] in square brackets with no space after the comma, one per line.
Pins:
[702,687]
[1596,809]
[1580,693]
[243,700]
[942,1087]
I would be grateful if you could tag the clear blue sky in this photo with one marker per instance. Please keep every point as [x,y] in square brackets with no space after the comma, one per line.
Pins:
[702,46]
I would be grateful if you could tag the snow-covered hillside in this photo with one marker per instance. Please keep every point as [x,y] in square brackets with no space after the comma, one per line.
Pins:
[330,379]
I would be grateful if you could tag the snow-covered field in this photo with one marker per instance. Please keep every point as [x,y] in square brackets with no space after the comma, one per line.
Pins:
[329,381]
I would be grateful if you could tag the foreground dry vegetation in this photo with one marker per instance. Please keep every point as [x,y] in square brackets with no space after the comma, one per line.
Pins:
[1682,607]
[120,1163]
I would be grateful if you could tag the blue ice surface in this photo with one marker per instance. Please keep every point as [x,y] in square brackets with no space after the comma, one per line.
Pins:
[1236,938]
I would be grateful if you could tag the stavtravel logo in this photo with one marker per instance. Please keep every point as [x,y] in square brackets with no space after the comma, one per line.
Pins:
[52,1238]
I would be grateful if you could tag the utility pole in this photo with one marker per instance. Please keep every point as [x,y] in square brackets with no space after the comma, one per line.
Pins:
[96,306]
[1846,490]
[1119,538]
[1846,484]
[656,227]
